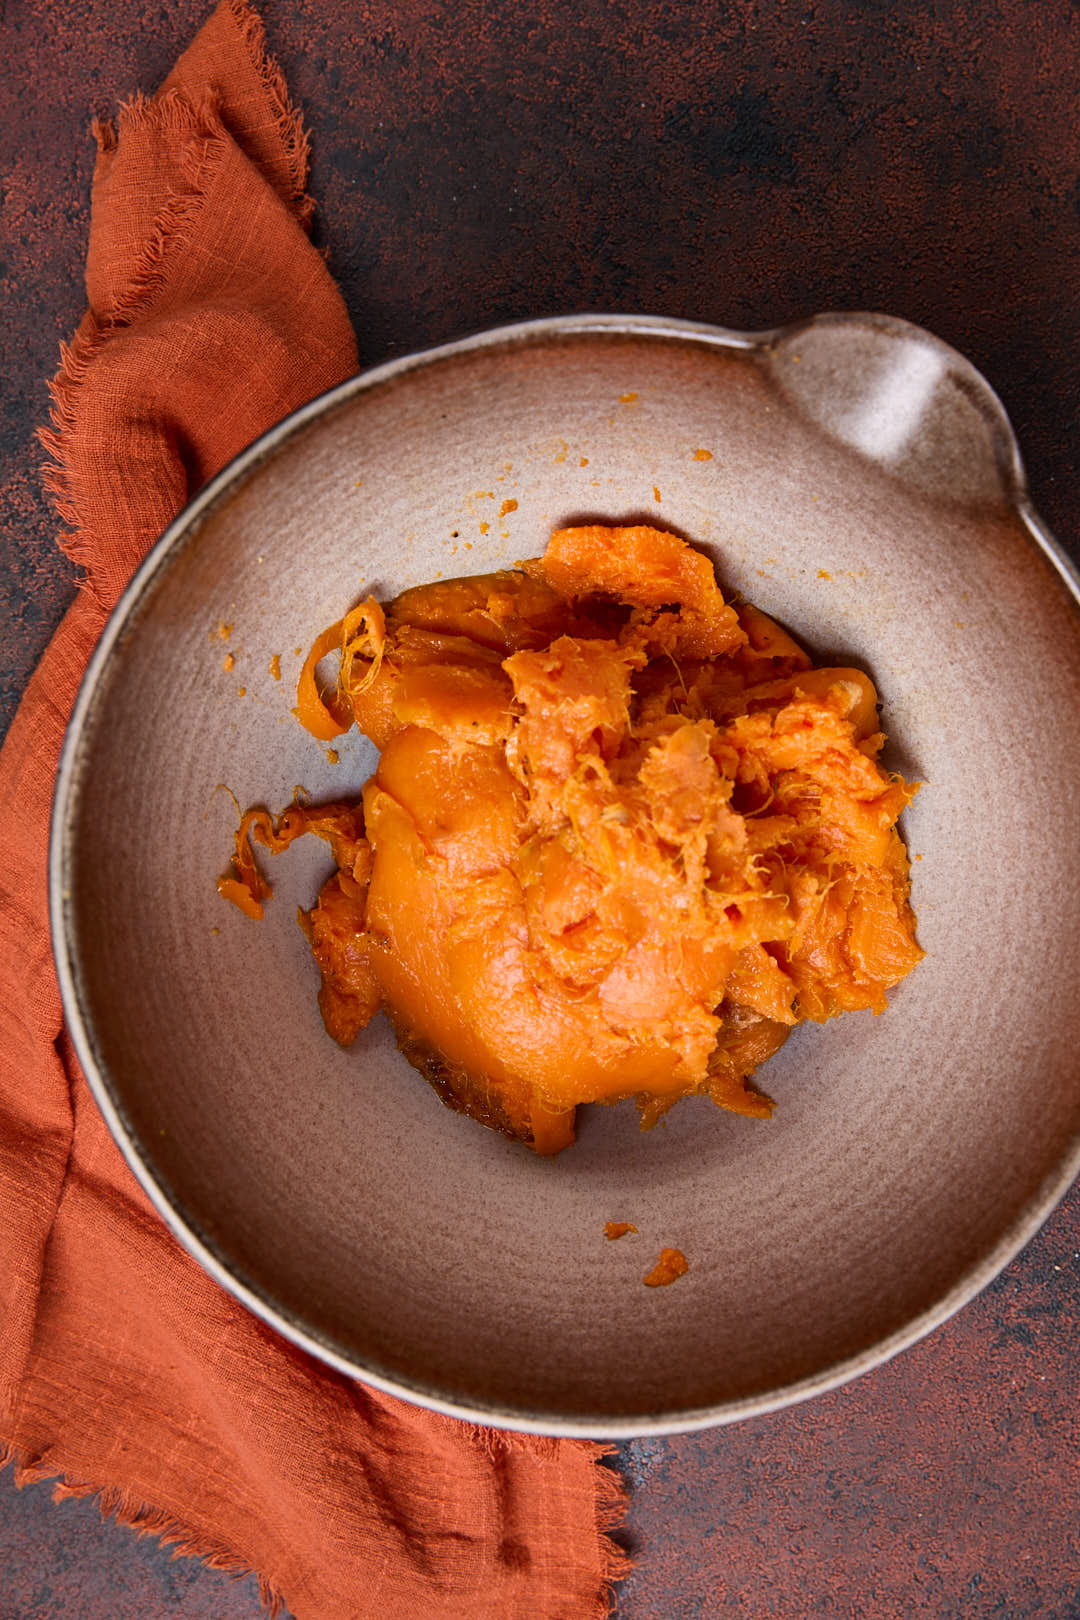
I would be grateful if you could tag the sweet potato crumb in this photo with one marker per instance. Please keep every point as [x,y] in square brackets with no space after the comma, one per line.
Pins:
[507,506]
[230,663]
[617,1229]
[671,1264]
[702,455]
[275,666]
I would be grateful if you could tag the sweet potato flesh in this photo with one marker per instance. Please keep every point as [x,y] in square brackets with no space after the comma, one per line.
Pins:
[622,837]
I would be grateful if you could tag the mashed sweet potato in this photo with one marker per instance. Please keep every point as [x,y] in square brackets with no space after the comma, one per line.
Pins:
[622,836]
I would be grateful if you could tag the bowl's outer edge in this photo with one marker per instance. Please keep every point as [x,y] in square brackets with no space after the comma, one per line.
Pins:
[183,529]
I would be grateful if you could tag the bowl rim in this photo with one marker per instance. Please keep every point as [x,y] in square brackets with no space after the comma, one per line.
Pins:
[182,530]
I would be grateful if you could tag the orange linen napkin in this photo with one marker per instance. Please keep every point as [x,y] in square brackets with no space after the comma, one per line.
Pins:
[124,1369]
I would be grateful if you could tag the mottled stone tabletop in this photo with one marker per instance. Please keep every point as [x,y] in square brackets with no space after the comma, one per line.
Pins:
[746,164]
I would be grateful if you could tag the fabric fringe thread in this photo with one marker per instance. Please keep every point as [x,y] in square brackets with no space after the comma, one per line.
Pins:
[612,1501]
[58,475]
[612,1496]
[203,135]
[288,118]
[203,138]
[124,1508]
[204,144]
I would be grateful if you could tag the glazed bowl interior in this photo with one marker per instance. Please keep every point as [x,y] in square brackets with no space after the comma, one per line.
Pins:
[858,481]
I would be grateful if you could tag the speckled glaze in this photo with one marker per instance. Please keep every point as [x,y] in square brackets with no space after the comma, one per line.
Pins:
[862,484]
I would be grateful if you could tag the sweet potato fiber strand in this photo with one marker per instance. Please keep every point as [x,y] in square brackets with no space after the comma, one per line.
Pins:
[621,838]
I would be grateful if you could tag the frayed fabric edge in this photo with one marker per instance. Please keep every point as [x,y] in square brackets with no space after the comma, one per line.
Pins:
[124,1508]
[59,476]
[288,119]
[612,1502]
[205,140]
[204,143]
[612,1498]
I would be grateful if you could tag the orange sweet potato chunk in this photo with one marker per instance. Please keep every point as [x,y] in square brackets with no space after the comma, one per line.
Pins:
[621,838]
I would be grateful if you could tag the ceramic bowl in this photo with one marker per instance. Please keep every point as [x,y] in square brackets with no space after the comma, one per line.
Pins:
[857,479]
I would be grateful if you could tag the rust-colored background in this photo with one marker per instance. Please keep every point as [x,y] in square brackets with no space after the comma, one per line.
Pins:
[478,161]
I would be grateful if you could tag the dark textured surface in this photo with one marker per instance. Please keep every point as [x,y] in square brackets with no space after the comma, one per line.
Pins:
[62,1561]
[742,164]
